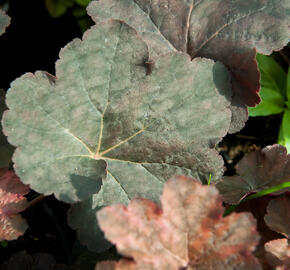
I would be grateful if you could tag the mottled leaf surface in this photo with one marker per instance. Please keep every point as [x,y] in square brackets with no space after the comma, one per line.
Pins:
[6,150]
[189,230]
[104,114]
[223,30]
[12,201]
[278,254]
[256,171]
[278,215]
[4,21]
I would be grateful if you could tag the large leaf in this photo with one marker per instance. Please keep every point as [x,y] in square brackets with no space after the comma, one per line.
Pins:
[256,171]
[189,231]
[278,254]
[104,115]
[224,30]
[4,21]
[12,201]
[278,215]
[6,150]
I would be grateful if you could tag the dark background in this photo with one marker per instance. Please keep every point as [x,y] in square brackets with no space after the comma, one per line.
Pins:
[33,39]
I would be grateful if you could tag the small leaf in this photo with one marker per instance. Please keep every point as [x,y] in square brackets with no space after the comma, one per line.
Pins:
[12,201]
[278,254]
[4,21]
[288,86]
[272,74]
[272,103]
[256,171]
[278,215]
[103,115]
[188,231]
[284,133]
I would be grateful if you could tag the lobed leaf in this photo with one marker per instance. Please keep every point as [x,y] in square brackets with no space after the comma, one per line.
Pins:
[4,21]
[278,215]
[256,171]
[12,201]
[104,115]
[223,30]
[188,232]
[278,253]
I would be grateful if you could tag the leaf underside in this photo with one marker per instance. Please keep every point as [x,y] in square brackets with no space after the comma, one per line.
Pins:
[223,30]
[12,201]
[188,231]
[103,116]
[256,171]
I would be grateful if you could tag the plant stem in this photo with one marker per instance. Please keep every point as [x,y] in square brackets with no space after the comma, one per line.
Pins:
[35,201]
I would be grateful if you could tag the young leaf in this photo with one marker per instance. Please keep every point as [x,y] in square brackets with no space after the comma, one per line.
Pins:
[188,231]
[278,215]
[272,103]
[288,86]
[6,150]
[278,254]
[223,30]
[103,115]
[256,171]
[272,74]
[4,21]
[12,201]
[284,133]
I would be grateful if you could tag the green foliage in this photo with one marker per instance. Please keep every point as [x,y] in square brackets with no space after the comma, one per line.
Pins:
[57,8]
[275,95]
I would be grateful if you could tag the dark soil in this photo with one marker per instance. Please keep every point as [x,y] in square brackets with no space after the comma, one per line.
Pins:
[32,42]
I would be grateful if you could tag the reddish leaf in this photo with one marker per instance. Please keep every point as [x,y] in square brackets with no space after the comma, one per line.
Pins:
[278,215]
[188,231]
[278,254]
[12,202]
[257,171]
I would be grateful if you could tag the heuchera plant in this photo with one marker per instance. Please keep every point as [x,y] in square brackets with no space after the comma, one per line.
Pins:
[146,95]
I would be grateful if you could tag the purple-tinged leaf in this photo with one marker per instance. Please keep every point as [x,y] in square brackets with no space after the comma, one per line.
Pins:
[278,254]
[223,30]
[103,116]
[256,171]
[189,231]
[278,215]
[12,201]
